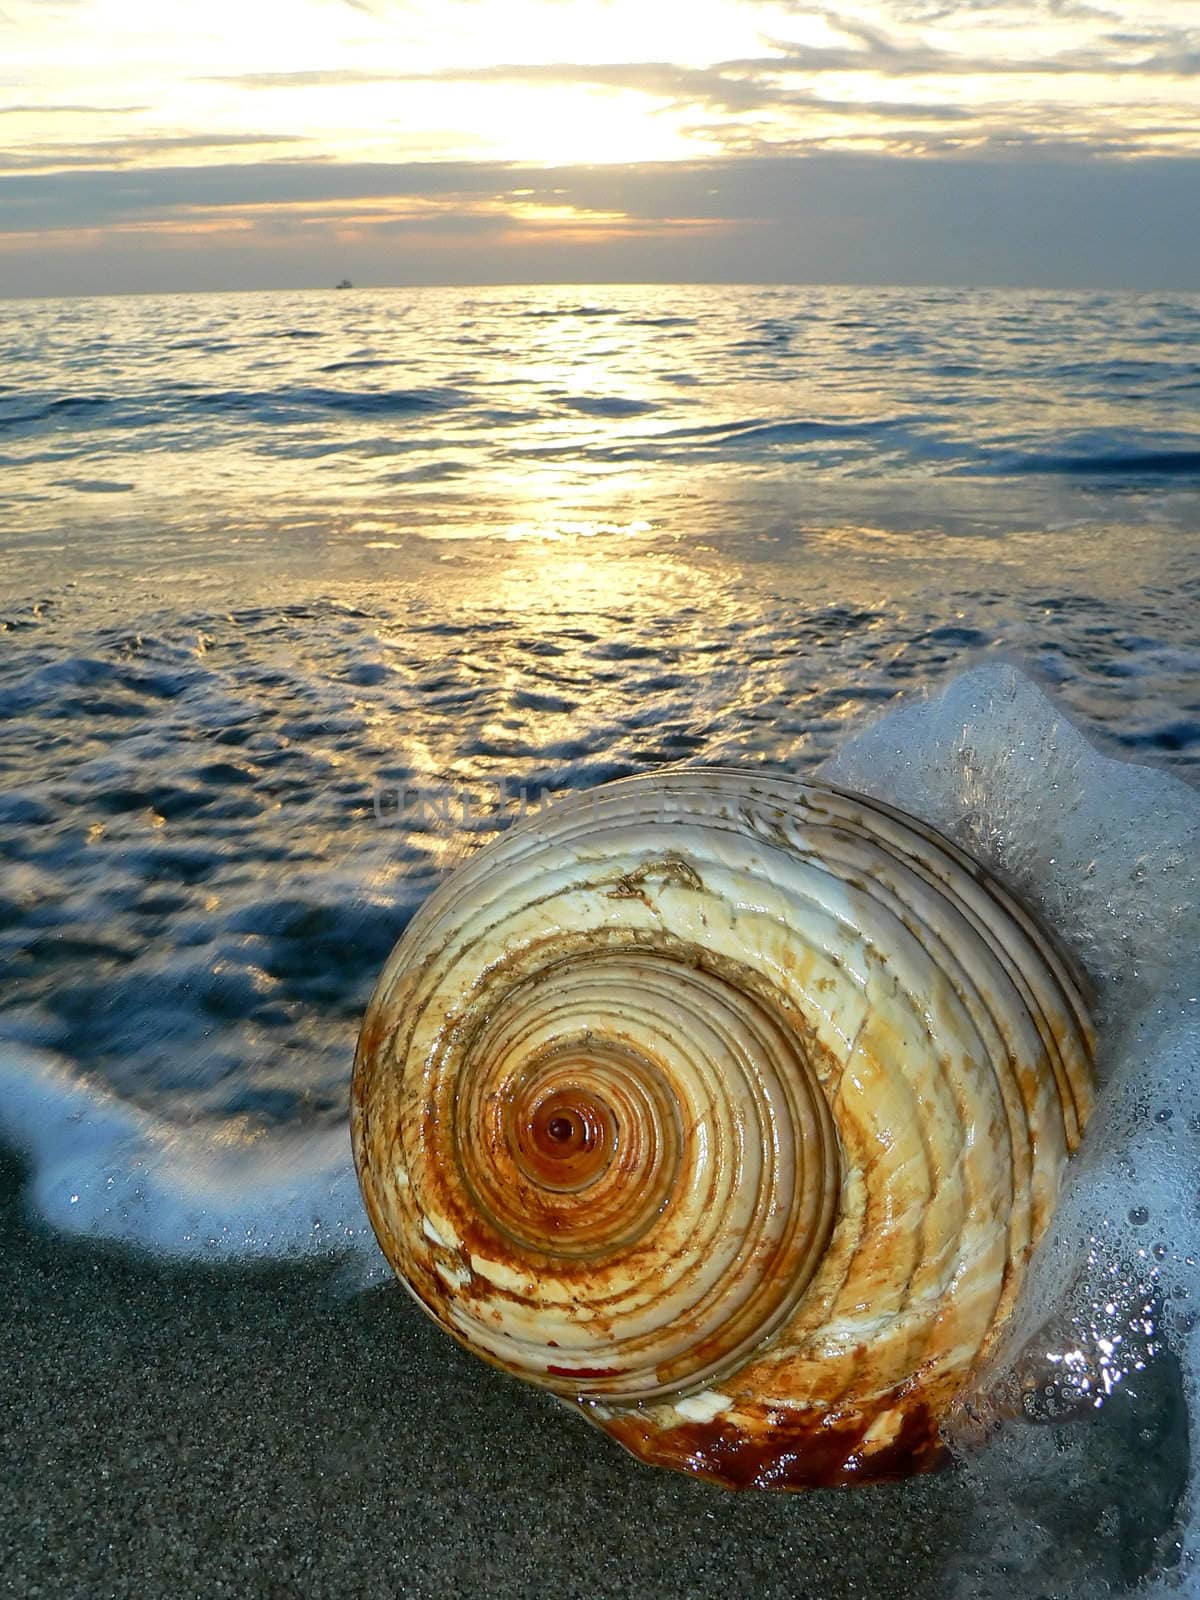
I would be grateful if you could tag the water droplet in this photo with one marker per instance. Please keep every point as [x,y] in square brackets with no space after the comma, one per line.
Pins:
[1139,1216]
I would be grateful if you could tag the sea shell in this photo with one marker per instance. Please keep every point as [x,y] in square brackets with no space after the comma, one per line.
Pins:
[729,1108]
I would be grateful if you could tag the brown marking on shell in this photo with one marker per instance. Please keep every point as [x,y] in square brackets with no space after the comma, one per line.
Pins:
[765,1449]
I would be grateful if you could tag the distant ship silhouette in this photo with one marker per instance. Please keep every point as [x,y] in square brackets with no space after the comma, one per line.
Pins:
[345,284]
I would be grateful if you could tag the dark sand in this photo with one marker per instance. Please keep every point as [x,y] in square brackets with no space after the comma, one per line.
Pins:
[187,1434]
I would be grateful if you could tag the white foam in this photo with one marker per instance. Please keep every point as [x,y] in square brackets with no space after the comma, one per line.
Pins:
[1109,854]
[104,1170]
[1108,851]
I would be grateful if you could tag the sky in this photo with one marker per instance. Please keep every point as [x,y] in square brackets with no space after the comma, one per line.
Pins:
[154,145]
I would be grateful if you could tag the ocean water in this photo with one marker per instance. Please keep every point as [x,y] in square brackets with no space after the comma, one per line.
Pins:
[338,422]
[302,595]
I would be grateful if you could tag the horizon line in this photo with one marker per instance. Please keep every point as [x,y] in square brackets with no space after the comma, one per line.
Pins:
[957,287]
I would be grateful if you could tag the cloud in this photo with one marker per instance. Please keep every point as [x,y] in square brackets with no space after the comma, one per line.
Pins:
[880,83]
[1014,13]
[312,78]
[103,197]
[70,110]
[783,85]
[1031,217]
[737,84]
[733,190]
[1167,51]
[109,152]
[733,87]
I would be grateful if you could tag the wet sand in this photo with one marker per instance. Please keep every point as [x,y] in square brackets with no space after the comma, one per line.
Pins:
[176,1433]
[182,1434]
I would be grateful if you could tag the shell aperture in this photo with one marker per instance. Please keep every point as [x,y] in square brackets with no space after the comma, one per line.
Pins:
[731,1109]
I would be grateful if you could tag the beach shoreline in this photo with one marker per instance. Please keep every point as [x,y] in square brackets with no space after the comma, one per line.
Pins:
[181,1432]
[177,1431]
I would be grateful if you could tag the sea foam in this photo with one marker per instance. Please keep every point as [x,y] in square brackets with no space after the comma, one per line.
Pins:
[103,1169]
[1109,854]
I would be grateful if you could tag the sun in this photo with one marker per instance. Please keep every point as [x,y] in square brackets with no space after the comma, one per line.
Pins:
[559,125]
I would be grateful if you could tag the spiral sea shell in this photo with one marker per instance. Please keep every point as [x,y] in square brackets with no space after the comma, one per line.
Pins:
[729,1108]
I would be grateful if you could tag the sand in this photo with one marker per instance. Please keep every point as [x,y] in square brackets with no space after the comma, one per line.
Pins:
[182,1434]
[169,1432]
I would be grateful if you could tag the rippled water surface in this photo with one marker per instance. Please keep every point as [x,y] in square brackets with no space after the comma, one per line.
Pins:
[691,412]
[301,592]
